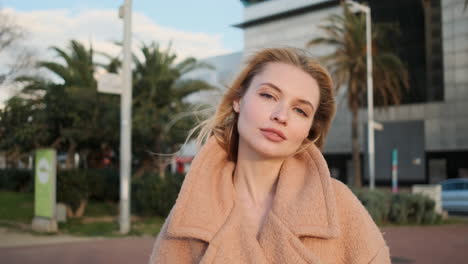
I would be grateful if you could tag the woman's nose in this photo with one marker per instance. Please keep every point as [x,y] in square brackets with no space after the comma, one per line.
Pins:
[280,115]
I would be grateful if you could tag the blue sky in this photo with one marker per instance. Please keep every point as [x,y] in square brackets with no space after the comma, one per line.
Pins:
[213,17]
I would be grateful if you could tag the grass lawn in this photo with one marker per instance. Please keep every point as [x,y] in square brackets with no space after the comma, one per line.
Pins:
[16,207]
[100,219]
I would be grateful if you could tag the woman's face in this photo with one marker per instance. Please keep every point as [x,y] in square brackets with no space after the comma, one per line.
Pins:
[276,112]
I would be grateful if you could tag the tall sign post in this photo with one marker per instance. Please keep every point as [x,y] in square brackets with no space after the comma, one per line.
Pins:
[45,191]
[395,171]
[122,84]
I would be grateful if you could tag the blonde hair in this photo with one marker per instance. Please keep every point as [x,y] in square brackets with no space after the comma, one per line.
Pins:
[223,124]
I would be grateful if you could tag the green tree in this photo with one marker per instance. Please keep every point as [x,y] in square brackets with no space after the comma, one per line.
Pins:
[68,114]
[347,64]
[81,118]
[19,130]
[159,93]
[31,119]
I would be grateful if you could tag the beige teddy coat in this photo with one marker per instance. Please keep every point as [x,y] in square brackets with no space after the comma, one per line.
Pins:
[314,218]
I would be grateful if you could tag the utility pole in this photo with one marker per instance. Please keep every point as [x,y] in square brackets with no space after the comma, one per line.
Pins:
[370,95]
[126,120]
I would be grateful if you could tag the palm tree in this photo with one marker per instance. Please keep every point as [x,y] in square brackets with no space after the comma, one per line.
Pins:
[160,90]
[347,64]
[69,114]
[73,107]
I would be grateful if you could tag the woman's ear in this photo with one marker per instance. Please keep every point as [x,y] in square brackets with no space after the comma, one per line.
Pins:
[236,105]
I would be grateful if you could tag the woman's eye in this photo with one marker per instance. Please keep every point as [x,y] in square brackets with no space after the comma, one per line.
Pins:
[266,95]
[300,111]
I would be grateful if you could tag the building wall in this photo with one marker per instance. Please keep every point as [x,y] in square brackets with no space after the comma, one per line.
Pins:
[293,31]
[269,8]
[445,123]
[224,69]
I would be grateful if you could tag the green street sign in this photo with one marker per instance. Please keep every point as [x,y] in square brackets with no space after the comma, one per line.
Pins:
[45,176]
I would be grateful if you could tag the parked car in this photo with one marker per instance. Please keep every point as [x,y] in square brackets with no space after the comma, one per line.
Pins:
[455,195]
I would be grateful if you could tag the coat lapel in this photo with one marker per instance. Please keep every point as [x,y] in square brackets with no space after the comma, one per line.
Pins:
[206,196]
[304,205]
[305,201]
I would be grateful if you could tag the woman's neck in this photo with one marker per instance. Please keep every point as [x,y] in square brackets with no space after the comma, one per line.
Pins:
[255,180]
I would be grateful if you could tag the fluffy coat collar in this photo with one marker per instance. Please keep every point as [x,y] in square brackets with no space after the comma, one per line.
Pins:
[304,199]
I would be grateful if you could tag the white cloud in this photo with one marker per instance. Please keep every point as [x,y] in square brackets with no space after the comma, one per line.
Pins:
[101,27]
[57,27]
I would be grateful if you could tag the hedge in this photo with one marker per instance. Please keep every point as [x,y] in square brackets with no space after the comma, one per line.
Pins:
[399,208]
[155,196]
[101,184]
[16,180]
[152,195]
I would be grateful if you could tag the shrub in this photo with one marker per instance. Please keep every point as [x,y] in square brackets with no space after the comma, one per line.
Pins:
[150,194]
[76,187]
[430,216]
[377,203]
[103,184]
[72,187]
[16,180]
[399,208]
[155,196]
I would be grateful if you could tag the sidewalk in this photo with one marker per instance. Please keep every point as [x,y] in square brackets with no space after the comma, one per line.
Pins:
[68,250]
[9,238]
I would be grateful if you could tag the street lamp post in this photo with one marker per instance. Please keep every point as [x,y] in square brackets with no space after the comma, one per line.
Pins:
[126,121]
[370,95]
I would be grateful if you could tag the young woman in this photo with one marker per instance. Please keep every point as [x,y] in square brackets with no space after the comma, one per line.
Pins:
[259,191]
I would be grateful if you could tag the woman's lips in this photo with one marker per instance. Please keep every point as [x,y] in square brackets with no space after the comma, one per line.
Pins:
[273,135]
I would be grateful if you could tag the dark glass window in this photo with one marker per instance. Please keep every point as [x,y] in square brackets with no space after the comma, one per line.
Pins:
[419,44]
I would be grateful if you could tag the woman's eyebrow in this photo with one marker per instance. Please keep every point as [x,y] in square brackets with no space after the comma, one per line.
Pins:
[302,101]
[272,86]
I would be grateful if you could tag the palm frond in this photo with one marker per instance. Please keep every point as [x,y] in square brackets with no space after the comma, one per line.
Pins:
[347,62]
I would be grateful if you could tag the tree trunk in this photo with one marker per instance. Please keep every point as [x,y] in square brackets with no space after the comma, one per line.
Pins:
[79,212]
[70,156]
[357,182]
[70,213]
[84,158]
[56,143]
[160,160]
[142,169]
[161,165]
[81,209]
